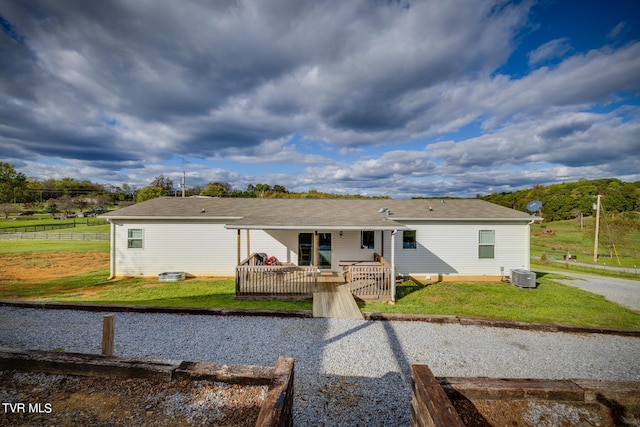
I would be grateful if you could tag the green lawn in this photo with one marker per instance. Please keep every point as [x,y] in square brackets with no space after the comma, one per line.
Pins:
[550,302]
[82,225]
[94,288]
[41,246]
[54,289]
[83,228]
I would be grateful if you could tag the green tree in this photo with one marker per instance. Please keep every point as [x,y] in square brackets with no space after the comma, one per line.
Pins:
[148,193]
[13,184]
[216,189]
[35,191]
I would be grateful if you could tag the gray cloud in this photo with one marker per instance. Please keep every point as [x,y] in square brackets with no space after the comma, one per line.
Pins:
[114,88]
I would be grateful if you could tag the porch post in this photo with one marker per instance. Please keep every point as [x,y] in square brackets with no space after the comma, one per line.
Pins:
[382,243]
[238,245]
[316,240]
[393,265]
[248,244]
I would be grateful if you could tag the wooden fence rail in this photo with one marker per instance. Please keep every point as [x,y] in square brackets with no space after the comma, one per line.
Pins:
[276,280]
[54,236]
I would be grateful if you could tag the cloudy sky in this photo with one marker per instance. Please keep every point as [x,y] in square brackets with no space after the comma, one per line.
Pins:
[399,98]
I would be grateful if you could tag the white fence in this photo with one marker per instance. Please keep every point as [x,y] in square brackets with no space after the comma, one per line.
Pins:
[54,236]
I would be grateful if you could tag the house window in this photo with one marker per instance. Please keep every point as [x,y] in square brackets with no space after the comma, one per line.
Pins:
[487,244]
[366,239]
[134,238]
[409,239]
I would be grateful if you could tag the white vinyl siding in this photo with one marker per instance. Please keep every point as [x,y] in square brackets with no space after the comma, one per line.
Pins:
[197,248]
[202,248]
[450,248]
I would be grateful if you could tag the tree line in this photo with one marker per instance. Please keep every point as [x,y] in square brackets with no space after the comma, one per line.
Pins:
[571,199]
[559,201]
[163,186]
[67,195]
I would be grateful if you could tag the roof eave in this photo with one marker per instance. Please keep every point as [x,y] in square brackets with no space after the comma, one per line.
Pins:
[315,227]
[469,219]
[172,218]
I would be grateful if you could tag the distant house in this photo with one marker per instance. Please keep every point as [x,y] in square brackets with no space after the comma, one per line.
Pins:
[429,239]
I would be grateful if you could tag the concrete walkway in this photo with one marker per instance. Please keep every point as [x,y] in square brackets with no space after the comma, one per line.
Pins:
[621,291]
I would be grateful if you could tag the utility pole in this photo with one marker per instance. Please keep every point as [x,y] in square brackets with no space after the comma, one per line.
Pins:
[595,245]
[184,183]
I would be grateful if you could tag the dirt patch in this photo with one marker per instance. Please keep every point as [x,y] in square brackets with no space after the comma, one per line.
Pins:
[47,265]
[71,400]
[488,413]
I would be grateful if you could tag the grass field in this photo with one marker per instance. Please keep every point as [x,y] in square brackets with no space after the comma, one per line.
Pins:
[46,221]
[567,237]
[40,246]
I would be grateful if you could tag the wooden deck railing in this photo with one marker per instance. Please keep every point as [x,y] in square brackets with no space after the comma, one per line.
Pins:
[380,259]
[366,281]
[370,281]
[275,280]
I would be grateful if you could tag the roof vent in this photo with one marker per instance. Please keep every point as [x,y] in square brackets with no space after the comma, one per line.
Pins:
[202,210]
[430,208]
[385,213]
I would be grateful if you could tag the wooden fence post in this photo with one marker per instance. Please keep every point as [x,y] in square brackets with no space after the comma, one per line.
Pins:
[108,332]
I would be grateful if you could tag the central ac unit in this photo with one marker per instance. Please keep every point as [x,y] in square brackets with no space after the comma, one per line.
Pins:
[523,278]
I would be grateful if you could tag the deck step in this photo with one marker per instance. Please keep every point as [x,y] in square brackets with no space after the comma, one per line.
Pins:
[339,304]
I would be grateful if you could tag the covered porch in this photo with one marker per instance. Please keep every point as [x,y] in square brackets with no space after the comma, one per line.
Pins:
[299,262]
[305,244]
[366,279]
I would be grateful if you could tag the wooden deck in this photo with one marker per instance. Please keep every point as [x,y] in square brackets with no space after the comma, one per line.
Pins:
[334,300]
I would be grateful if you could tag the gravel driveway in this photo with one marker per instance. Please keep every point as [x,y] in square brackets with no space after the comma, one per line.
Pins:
[622,291]
[347,372]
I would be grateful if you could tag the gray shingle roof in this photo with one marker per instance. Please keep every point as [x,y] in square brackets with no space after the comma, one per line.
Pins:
[316,213]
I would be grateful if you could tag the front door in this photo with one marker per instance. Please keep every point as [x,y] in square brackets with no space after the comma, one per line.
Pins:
[324,250]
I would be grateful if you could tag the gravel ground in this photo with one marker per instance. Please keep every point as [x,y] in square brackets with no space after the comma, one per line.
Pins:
[347,373]
[622,291]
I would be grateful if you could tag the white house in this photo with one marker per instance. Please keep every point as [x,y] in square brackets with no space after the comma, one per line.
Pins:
[429,239]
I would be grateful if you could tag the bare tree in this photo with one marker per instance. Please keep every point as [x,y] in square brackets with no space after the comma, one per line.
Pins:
[8,208]
[66,204]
